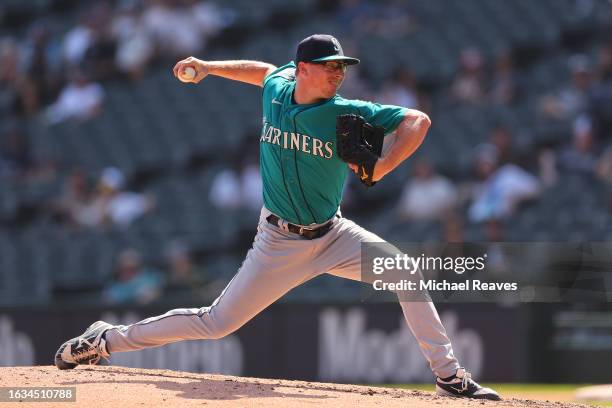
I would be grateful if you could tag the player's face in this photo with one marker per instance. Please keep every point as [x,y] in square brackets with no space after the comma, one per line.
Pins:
[326,76]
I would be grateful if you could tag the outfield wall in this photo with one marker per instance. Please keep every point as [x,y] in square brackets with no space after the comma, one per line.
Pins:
[342,343]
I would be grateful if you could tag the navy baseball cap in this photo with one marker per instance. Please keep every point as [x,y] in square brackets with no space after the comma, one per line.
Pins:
[320,48]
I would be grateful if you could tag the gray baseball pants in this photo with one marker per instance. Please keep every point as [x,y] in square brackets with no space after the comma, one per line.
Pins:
[279,261]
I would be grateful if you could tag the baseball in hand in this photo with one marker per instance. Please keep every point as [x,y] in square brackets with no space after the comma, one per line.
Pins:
[187,74]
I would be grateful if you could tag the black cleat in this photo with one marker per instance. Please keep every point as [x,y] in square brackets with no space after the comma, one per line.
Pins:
[461,385]
[88,348]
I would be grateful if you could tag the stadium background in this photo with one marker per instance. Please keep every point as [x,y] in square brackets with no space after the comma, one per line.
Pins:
[124,193]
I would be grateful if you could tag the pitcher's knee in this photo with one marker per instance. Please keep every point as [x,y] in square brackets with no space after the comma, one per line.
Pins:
[215,326]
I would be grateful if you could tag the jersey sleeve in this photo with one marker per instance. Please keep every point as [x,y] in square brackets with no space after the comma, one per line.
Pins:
[388,116]
[278,79]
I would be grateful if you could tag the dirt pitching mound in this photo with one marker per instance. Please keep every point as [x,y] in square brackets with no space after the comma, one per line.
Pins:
[110,387]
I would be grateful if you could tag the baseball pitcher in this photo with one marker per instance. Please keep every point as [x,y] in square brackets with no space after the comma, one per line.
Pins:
[310,138]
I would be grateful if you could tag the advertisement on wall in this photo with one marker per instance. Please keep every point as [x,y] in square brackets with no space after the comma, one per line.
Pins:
[344,343]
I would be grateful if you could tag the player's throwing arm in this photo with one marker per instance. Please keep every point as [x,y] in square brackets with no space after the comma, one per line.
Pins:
[193,70]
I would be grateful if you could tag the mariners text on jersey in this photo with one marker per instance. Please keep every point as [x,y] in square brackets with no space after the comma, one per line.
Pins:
[296,141]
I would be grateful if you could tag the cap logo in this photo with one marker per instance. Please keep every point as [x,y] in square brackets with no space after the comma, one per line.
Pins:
[336,44]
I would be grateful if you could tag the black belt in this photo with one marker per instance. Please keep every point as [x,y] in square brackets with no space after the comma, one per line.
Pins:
[308,233]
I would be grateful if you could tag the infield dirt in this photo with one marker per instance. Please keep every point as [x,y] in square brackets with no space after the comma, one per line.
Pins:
[111,386]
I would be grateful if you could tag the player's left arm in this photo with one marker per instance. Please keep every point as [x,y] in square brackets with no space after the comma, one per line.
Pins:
[403,143]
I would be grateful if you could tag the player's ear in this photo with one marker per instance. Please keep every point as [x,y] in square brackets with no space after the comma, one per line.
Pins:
[301,68]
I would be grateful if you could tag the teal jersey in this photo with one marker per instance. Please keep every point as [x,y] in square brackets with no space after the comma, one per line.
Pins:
[302,175]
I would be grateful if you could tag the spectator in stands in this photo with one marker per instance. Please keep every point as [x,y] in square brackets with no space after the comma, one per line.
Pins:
[501,138]
[71,207]
[503,88]
[41,62]
[401,90]
[210,17]
[579,157]
[604,62]
[547,164]
[78,40]
[113,206]
[135,46]
[182,28]
[15,93]
[427,196]
[238,186]
[90,44]
[572,99]
[501,189]
[184,277]
[469,84]
[133,282]
[225,190]
[9,62]
[80,99]
[99,58]
[29,74]
[91,210]
[122,207]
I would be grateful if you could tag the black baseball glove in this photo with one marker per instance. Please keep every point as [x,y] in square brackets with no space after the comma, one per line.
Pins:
[359,143]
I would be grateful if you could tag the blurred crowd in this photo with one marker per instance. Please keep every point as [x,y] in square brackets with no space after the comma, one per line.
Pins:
[569,134]
[55,74]
[107,203]
[508,169]
[179,278]
[60,71]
